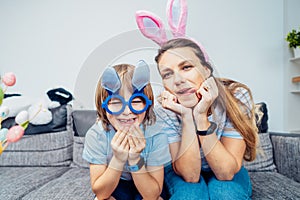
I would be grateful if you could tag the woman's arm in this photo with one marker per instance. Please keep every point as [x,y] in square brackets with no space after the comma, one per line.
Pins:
[104,180]
[224,157]
[186,154]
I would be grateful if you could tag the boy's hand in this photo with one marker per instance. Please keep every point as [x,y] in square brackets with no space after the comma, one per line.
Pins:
[136,141]
[119,144]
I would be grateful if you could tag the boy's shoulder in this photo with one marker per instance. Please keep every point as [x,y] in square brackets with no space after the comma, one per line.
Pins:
[96,130]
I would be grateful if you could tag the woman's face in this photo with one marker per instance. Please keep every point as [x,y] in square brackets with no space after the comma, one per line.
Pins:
[182,74]
[127,117]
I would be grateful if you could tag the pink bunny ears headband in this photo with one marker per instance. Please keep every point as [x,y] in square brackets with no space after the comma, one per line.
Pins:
[152,27]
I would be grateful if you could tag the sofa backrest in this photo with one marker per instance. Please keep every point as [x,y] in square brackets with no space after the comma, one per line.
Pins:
[43,145]
[82,121]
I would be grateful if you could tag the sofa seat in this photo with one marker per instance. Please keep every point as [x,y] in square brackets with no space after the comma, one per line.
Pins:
[272,185]
[74,184]
[17,182]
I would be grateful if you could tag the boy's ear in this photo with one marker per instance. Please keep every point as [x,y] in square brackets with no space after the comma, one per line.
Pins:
[177,16]
[141,75]
[151,26]
[110,80]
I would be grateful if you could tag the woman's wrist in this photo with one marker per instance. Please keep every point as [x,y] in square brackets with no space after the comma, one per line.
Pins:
[187,113]
[202,122]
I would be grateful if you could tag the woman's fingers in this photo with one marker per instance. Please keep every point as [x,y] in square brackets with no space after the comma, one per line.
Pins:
[169,101]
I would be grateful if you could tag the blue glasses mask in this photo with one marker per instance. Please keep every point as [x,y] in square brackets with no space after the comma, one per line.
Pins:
[116,104]
[138,102]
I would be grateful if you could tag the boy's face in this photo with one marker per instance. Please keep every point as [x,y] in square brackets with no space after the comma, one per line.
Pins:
[127,117]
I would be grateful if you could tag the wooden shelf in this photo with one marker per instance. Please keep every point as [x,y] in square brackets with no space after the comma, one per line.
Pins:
[296,79]
[295,91]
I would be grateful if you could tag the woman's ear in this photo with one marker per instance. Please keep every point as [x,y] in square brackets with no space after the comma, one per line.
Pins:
[207,72]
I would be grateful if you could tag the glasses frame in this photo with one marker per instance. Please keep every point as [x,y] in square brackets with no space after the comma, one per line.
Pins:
[126,103]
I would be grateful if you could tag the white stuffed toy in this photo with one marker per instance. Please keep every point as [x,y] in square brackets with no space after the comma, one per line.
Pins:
[39,113]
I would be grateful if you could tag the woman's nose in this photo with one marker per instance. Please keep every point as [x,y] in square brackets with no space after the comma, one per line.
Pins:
[178,78]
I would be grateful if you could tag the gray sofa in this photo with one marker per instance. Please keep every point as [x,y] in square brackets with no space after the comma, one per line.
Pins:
[47,164]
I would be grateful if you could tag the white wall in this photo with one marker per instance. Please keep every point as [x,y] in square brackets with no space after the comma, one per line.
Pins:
[67,43]
[291,101]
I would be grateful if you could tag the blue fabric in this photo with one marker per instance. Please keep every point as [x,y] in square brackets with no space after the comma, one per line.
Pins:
[97,148]
[209,187]
[126,190]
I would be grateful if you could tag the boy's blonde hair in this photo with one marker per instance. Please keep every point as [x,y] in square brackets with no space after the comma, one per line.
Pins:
[125,72]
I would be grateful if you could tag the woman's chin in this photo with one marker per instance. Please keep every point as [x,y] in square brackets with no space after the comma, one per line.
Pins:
[190,102]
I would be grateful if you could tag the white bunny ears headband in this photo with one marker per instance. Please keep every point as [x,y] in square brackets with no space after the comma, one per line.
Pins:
[152,27]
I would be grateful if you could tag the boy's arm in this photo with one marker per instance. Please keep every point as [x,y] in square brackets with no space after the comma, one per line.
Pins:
[104,179]
[149,181]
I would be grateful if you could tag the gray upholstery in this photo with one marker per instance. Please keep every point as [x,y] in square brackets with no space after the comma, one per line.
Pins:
[264,157]
[66,174]
[16,182]
[78,161]
[43,149]
[272,185]
[287,154]
[74,184]
[83,120]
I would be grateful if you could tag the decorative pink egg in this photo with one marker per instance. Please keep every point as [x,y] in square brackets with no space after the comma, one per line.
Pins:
[15,133]
[9,79]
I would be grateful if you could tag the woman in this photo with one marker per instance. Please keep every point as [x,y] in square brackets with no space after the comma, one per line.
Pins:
[210,126]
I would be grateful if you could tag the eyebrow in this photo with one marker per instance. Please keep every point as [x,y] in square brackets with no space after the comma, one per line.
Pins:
[166,68]
[185,62]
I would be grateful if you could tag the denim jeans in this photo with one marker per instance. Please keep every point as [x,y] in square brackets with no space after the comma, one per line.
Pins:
[126,190]
[208,187]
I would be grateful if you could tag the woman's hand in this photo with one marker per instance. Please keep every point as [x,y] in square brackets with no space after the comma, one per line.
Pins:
[136,141]
[169,101]
[120,145]
[208,92]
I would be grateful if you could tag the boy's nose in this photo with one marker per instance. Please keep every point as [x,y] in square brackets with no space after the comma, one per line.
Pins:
[127,110]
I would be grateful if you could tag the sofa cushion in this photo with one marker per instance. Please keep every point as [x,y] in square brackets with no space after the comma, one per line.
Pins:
[74,184]
[272,185]
[82,121]
[264,160]
[261,116]
[78,161]
[287,154]
[47,149]
[16,182]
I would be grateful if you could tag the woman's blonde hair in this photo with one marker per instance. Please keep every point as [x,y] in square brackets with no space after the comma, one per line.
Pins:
[125,73]
[235,109]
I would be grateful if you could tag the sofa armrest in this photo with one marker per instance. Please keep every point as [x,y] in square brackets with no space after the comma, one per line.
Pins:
[286,147]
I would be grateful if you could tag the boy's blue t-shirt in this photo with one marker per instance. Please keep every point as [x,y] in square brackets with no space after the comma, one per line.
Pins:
[97,147]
